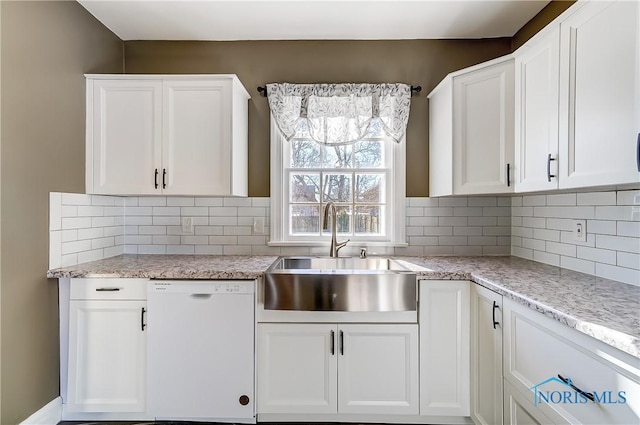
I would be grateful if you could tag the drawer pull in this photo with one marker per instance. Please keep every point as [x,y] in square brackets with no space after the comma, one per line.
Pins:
[576,389]
[142,324]
[495,307]
[107,289]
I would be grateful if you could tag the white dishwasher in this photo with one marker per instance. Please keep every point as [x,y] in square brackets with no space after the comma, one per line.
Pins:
[200,350]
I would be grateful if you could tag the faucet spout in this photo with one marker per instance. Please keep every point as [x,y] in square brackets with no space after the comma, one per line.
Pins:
[330,208]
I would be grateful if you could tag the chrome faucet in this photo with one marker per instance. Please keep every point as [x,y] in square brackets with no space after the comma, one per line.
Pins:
[335,246]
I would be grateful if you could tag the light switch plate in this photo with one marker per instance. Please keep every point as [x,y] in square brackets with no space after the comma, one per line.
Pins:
[258,225]
[580,230]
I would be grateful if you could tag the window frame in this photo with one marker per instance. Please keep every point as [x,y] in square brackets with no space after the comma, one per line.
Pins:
[395,187]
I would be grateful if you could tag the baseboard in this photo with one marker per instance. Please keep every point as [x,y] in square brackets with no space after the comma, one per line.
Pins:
[49,414]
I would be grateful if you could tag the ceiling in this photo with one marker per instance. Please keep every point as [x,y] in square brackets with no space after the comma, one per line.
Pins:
[312,19]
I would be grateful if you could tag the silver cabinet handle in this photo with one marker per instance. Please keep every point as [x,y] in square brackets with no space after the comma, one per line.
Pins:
[107,289]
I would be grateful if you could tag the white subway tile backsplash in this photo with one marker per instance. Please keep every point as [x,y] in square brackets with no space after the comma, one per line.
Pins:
[180,202]
[236,202]
[621,274]
[468,212]
[468,231]
[90,233]
[628,228]
[438,231]
[153,201]
[103,221]
[578,265]
[561,199]
[165,220]
[438,211]
[467,250]
[564,249]
[75,246]
[596,198]
[482,240]
[161,211]
[423,221]
[181,249]
[236,250]
[629,260]
[69,235]
[618,243]
[93,255]
[209,202]
[496,250]
[55,249]
[453,202]
[534,200]
[55,211]
[627,197]
[194,240]
[166,240]
[90,211]
[612,246]
[152,230]
[131,211]
[438,250]
[76,199]
[152,249]
[194,211]
[70,210]
[547,235]
[75,222]
[423,202]
[458,221]
[547,258]
[483,202]
[596,254]
[414,212]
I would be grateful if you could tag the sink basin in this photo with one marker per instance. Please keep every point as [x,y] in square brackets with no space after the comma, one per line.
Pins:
[339,284]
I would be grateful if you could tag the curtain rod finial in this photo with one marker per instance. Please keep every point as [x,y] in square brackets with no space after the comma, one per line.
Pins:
[262,90]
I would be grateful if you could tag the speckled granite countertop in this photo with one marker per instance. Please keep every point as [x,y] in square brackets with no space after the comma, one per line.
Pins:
[171,267]
[604,309]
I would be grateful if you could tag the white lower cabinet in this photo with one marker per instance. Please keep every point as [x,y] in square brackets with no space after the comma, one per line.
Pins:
[107,346]
[540,353]
[329,368]
[486,356]
[444,347]
[518,410]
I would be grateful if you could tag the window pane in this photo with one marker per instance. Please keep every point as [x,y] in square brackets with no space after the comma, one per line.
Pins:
[305,219]
[369,188]
[305,154]
[343,220]
[368,154]
[337,156]
[337,187]
[305,188]
[368,219]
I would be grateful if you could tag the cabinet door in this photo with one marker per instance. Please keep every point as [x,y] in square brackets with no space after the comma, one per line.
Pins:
[107,349]
[483,108]
[486,356]
[536,120]
[378,369]
[124,127]
[600,112]
[196,154]
[444,348]
[520,411]
[297,368]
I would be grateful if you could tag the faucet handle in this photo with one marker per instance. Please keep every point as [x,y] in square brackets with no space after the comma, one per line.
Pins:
[363,252]
[341,245]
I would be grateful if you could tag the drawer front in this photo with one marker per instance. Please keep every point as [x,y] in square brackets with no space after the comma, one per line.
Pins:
[538,349]
[108,289]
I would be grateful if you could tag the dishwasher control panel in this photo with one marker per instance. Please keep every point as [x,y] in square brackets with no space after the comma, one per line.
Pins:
[204,286]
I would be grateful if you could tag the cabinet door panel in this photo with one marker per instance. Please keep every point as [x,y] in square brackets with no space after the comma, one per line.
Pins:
[444,348]
[483,130]
[600,54]
[519,411]
[537,72]
[196,131]
[297,372]
[378,369]
[107,350]
[486,356]
[126,136]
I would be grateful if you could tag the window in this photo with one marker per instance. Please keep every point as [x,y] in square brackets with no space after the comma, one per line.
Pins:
[365,180]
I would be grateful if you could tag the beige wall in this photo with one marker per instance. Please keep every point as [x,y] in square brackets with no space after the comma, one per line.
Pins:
[417,62]
[46,48]
[546,15]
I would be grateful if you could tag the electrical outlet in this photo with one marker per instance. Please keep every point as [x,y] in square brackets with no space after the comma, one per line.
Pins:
[580,230]
[258,225]
[187,224]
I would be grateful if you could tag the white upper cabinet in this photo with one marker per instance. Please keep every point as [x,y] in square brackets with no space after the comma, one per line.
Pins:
[536,113]
[600,95]
[171,135]
[471,131]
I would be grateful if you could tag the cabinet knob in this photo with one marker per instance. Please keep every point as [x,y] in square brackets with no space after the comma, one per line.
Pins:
[244,400]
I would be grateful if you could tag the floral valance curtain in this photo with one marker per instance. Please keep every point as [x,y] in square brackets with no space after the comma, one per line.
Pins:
[339,114]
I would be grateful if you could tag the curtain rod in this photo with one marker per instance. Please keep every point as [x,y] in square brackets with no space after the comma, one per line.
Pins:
[263,90]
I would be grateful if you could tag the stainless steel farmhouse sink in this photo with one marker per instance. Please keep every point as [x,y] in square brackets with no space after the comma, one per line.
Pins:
[339,284]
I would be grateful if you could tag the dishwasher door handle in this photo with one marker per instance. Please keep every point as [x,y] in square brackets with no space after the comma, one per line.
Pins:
[201,296]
